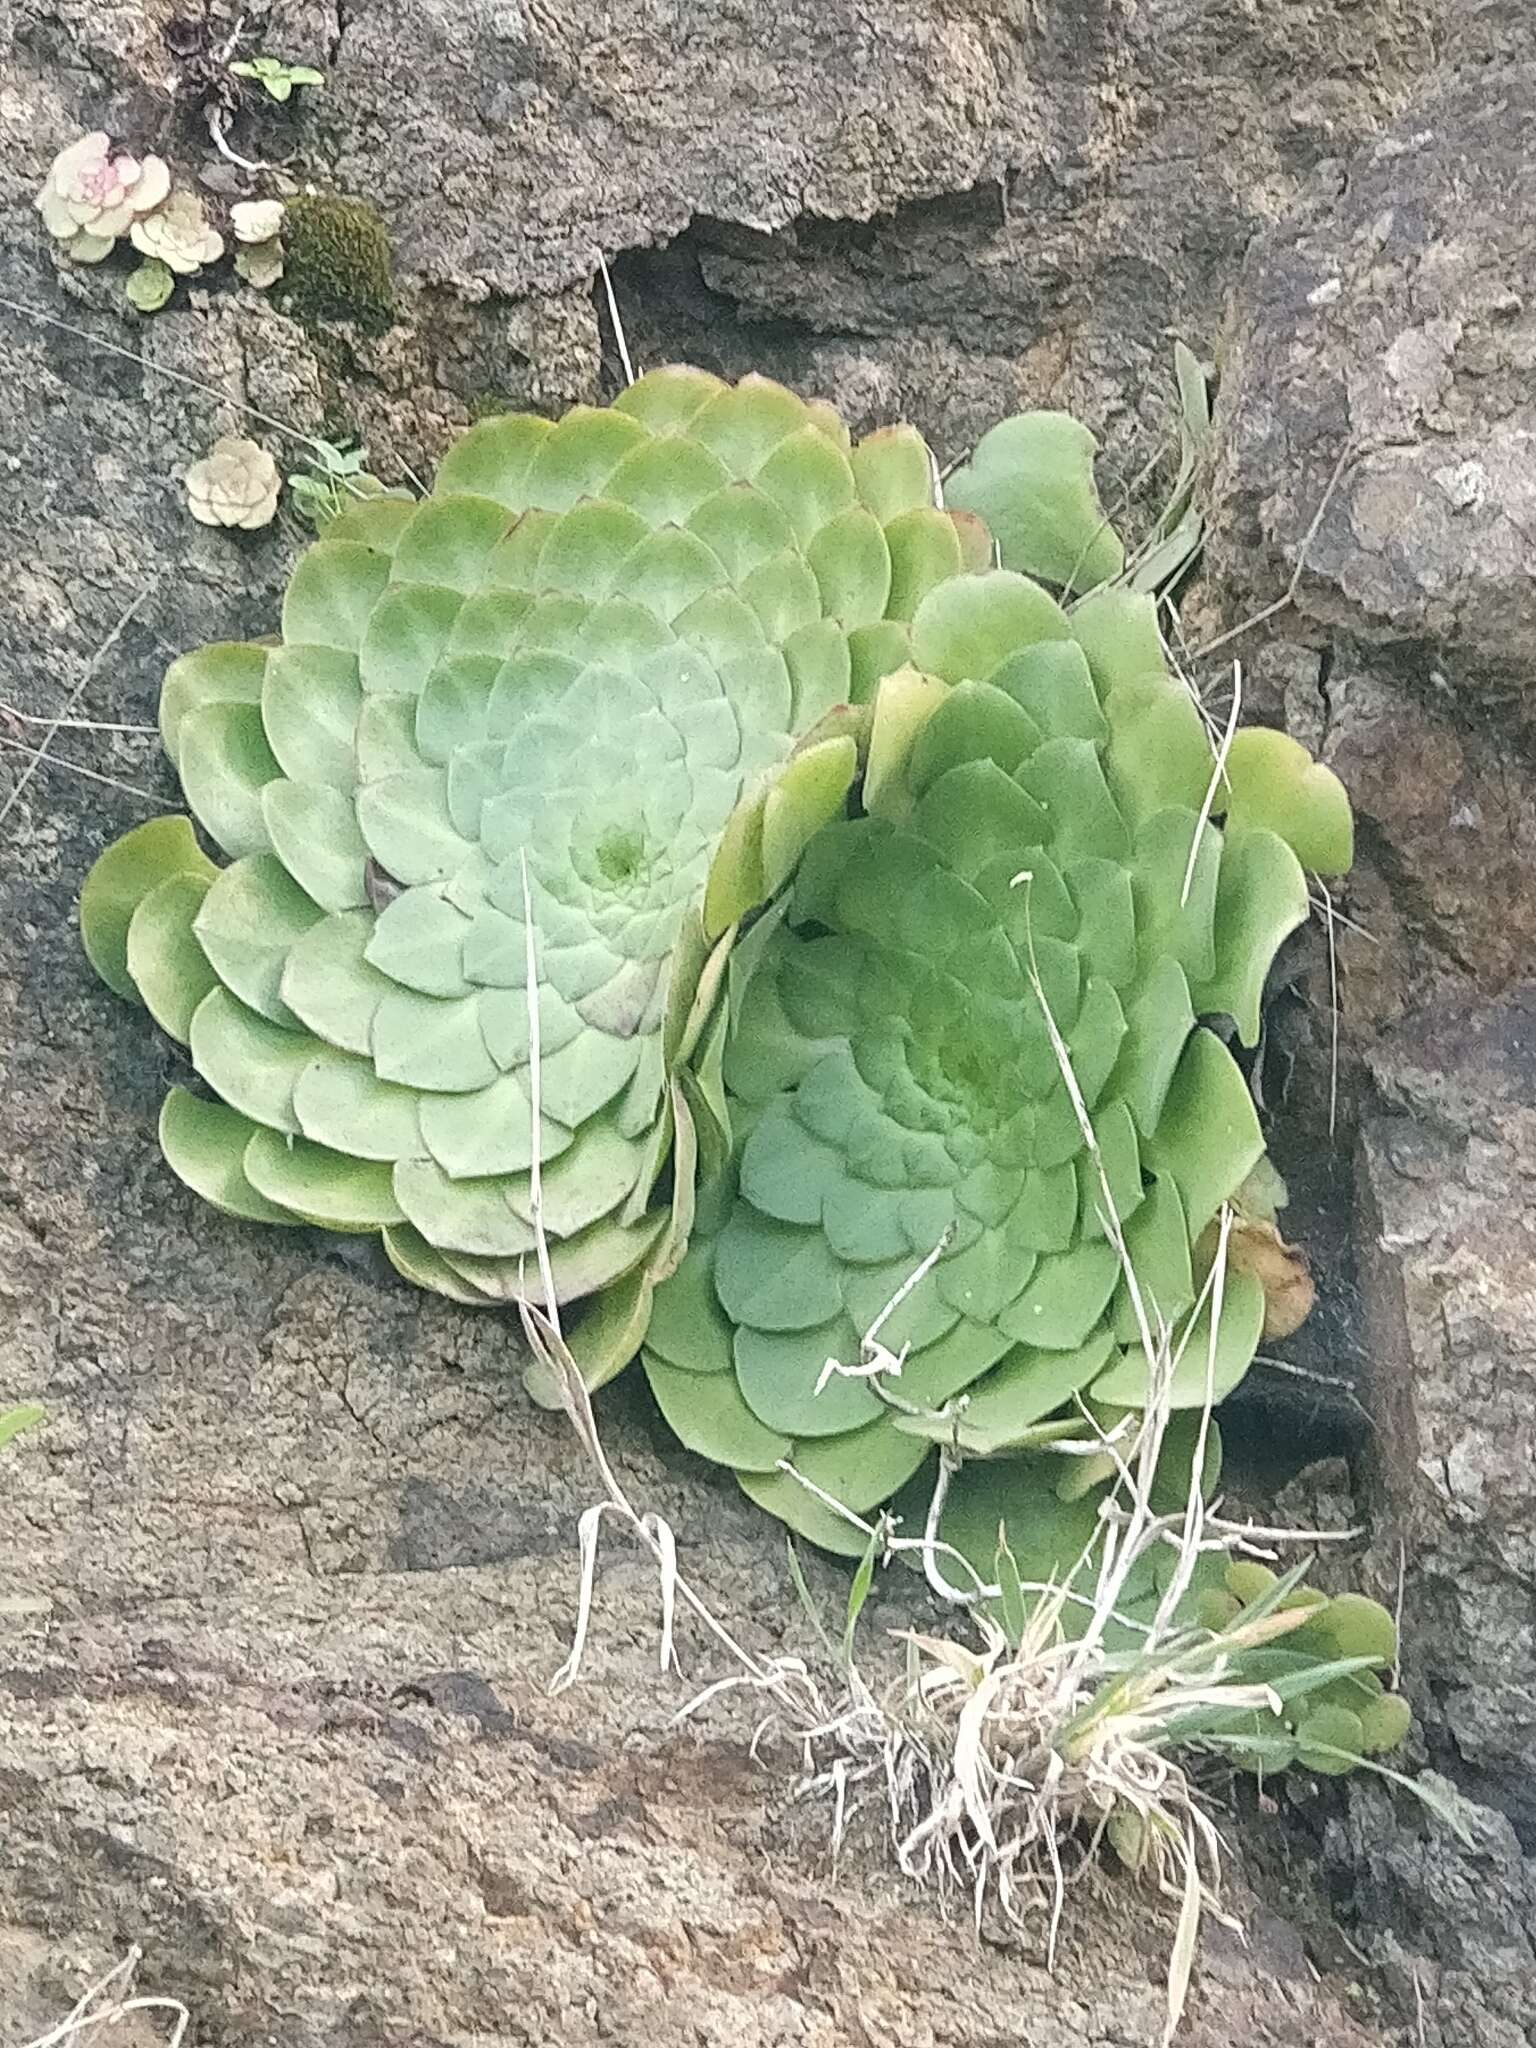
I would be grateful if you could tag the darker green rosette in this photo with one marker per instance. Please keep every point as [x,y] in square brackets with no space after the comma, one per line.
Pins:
[972,1037]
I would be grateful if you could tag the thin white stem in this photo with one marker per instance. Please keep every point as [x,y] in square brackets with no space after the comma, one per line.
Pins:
[89,2010]
[1330,927]
[71,724]
[218,132]
[954,1596]
[154,369]
[615,319]
[918,1274]
[1218,776]
[39,756]
[81,685]
[1346,454]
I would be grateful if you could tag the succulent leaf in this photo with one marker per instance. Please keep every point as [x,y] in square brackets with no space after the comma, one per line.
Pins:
[1030,479]
[1272,781]
[176,233]
[118,883]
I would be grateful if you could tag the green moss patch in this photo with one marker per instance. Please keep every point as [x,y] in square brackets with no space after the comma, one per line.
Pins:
[340,265]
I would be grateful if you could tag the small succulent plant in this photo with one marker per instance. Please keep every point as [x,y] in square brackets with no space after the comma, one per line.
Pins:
[1332,1705]
[235,484]
[256,220]
[277,79]
[92,196]
[260,264]
[557,675]
[178,235]
[257,225]
[149,286]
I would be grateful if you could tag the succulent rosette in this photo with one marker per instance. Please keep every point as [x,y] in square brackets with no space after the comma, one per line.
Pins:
[92,196]
[177,234]
[516,721]
[674,836]
[236,484]
[972,1091]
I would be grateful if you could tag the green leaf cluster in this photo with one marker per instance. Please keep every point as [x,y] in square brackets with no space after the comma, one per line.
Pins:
[1332,1705]
[878,902]
[276,78]
[973,1037]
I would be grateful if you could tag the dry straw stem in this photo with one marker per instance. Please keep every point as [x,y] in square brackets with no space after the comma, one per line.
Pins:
[38,755]
[999,1769]
[616,320]
[1346,455]
[108,2002]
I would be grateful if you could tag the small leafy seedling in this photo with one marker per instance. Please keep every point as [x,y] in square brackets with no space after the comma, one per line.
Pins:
[277,79]
[14,1420]
[333,476]
[149,287]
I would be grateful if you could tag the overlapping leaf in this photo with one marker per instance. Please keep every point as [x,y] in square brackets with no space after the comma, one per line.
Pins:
[872,900]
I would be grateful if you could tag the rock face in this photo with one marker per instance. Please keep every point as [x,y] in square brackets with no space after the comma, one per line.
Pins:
[284,1578]
[1380,435]
[1397,326]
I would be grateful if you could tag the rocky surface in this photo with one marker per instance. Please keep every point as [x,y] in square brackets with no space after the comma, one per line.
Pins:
[1379,437]
[284,1578]
[282,1716]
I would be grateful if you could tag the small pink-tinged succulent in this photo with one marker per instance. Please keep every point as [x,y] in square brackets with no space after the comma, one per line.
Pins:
[90,196]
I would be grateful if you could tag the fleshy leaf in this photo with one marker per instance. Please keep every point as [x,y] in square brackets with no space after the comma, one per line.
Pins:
[1273,783]
[968,626]
[169,968]
[708,1415]
[119,881]
[320,1186]
[204,1144]
[1031,479]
